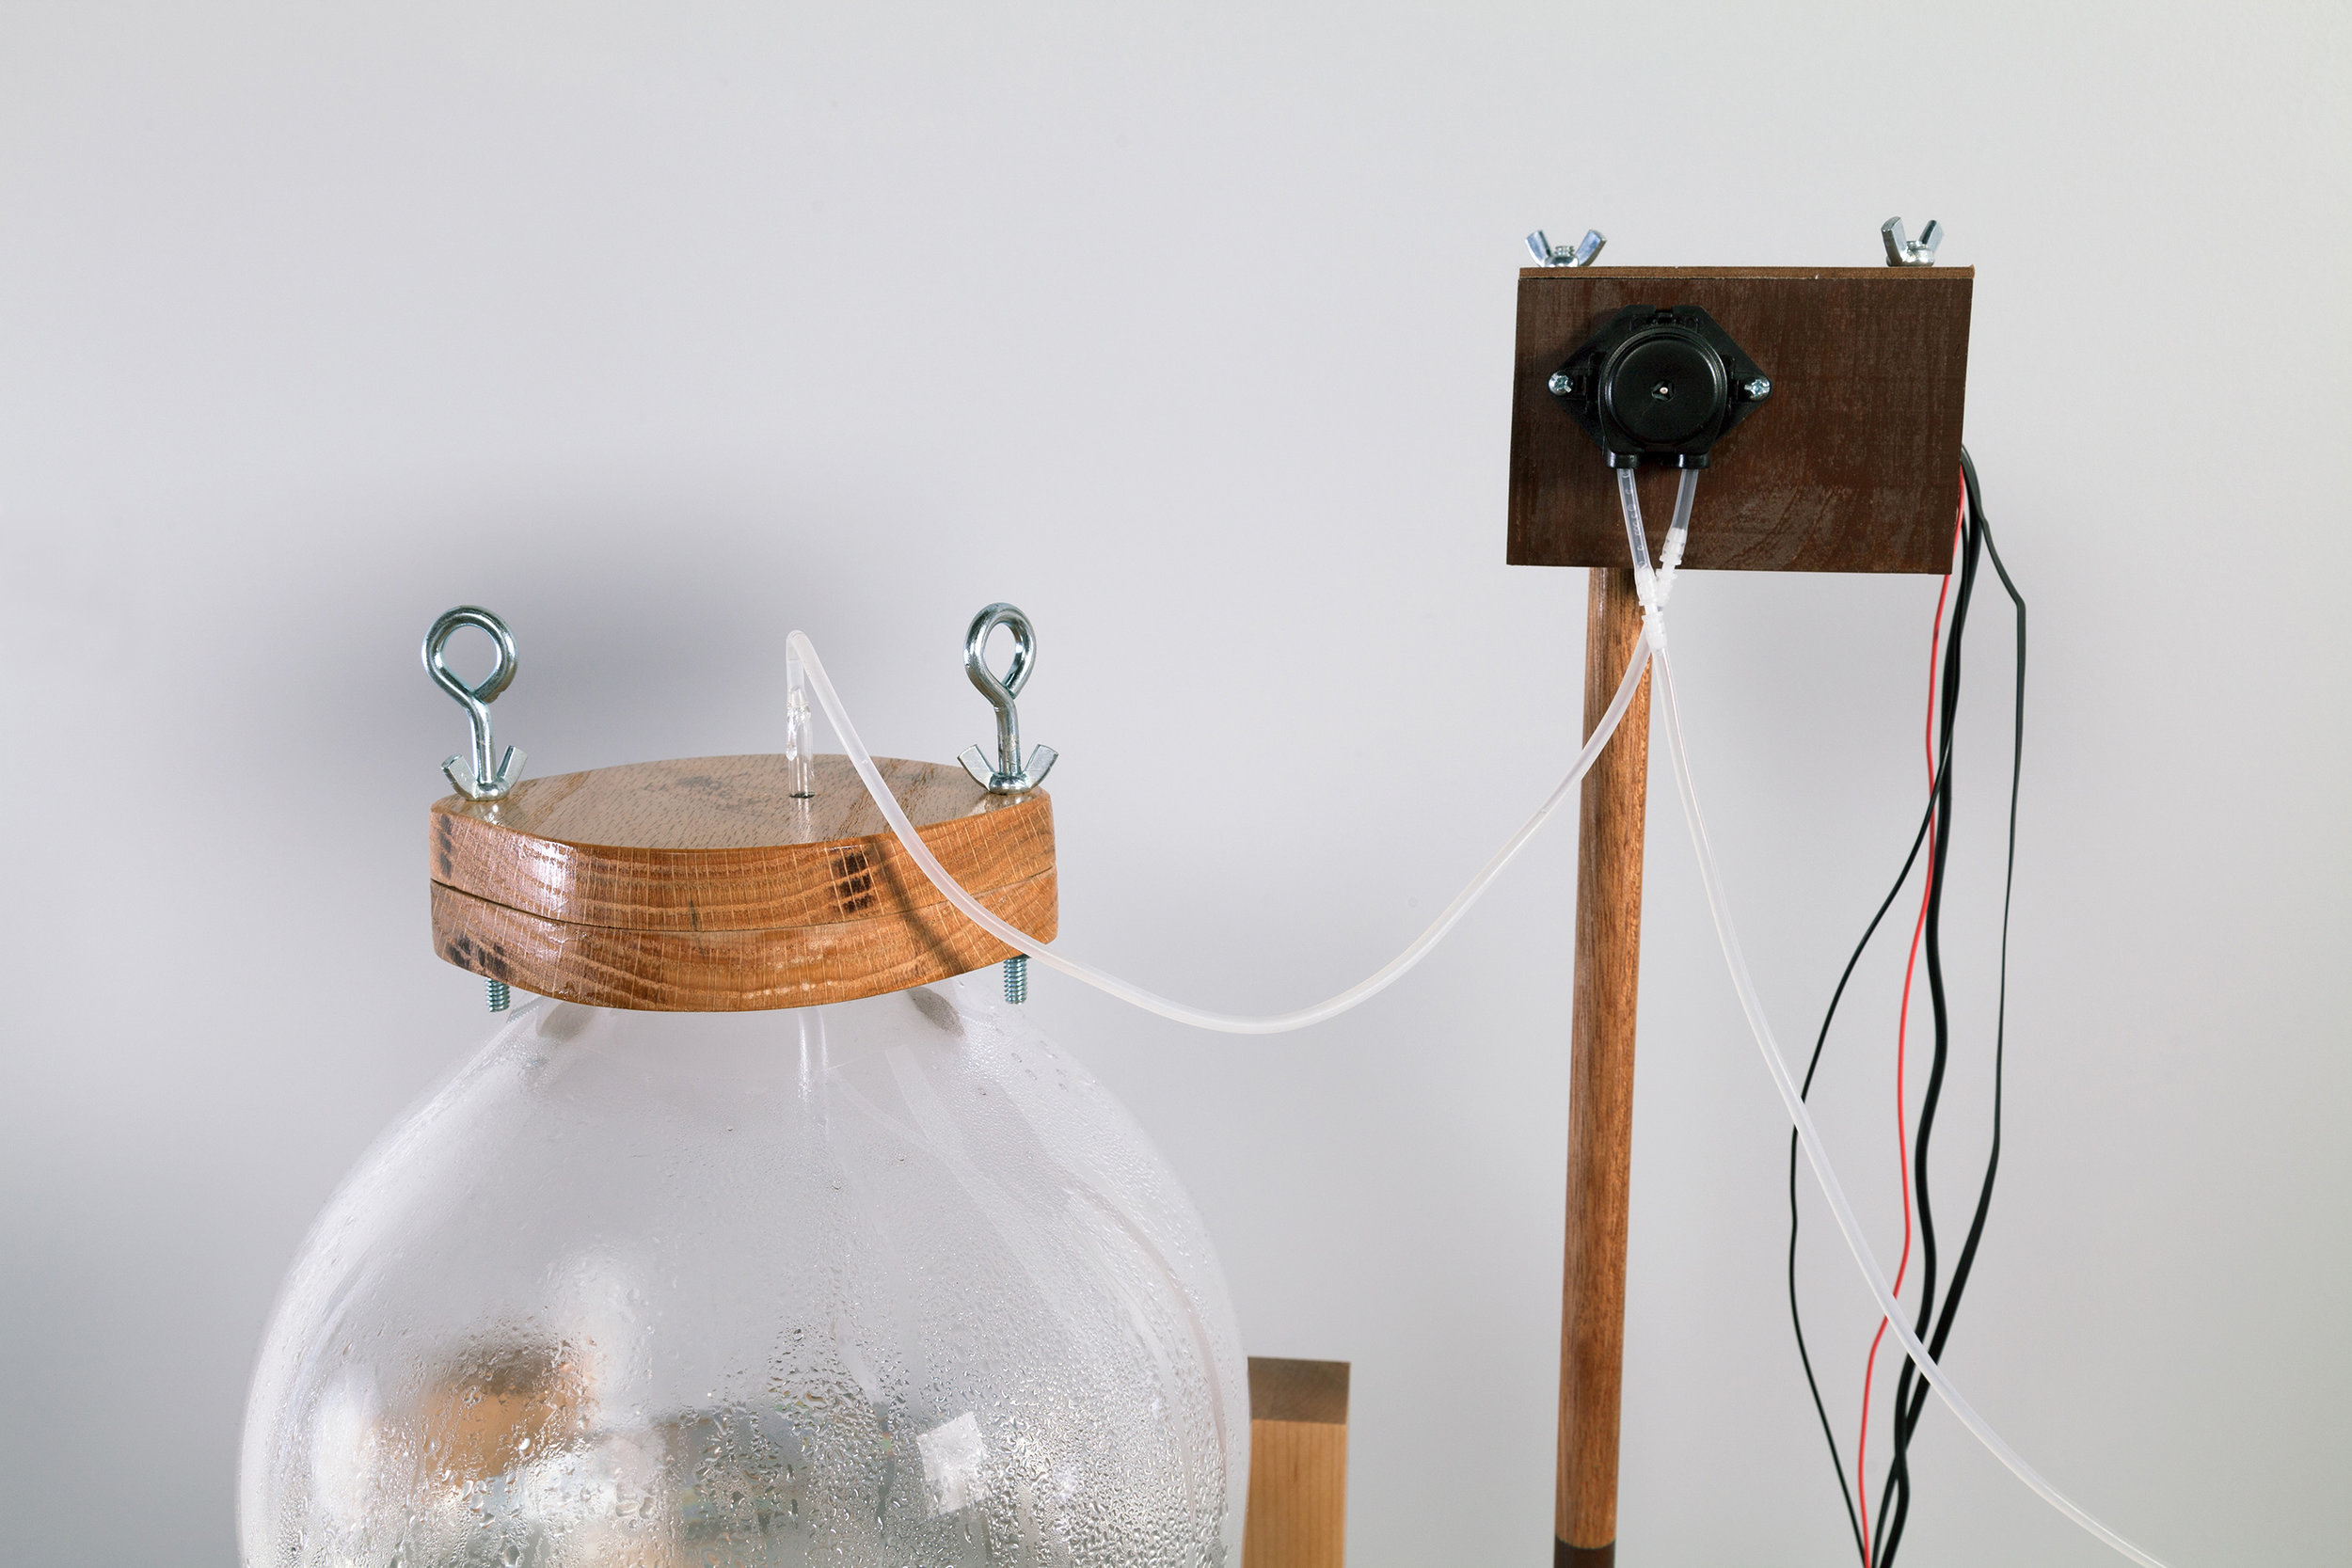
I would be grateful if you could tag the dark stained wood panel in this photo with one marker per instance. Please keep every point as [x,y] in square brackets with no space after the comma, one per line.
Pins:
[1852,466]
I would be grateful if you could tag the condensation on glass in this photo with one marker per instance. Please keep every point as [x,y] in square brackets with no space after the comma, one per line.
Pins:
[887,1282]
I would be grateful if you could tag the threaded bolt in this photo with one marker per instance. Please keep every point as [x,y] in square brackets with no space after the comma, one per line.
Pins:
[1017,978]
[500,996]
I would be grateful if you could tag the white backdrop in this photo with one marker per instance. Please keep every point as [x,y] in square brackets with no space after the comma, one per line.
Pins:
[663,329]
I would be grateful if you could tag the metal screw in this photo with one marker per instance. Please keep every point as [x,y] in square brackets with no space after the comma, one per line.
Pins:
[1561,384]
[1011,776]
[1017,978]
[1759,388]
[500,996]
[485,781]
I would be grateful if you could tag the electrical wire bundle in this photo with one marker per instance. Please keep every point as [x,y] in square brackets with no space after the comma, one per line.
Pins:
[1877,1537]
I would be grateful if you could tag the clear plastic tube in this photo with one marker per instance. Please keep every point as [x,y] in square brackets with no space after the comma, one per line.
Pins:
[1636,538]
[1230,1023]
[1653,643]
[1677,531]
[799,731]
[1651,587]
[1718,905]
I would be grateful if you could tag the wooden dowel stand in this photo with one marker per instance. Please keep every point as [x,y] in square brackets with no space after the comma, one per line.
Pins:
[1600,1079]
[1870,370]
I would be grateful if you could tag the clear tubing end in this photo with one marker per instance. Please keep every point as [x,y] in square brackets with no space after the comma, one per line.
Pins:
[1677,531]
[800,730]
[1637,539]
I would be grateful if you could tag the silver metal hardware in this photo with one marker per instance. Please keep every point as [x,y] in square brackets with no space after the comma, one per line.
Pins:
[500,996]
[481,784]
[1561,384]
[1759,388]
[1549,255]
[1903,252]
[1009,776]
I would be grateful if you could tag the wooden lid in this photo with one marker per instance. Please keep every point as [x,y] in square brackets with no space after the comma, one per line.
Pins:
[703,885]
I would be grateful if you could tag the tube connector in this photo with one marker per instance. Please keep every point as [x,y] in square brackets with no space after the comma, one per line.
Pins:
[1637,540]
[799,731]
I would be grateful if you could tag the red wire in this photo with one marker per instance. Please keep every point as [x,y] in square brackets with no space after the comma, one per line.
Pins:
[1902,1036]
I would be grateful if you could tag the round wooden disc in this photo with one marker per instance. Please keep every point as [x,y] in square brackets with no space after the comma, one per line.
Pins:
[703,886]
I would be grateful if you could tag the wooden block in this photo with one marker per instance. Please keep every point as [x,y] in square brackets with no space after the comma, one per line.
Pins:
[703,885]
[1853,465]
[1297,1465]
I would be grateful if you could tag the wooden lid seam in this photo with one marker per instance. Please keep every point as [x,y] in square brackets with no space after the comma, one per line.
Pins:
[704,885]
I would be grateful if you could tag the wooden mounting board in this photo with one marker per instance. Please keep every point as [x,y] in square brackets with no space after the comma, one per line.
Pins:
[1853,465]
[703,885]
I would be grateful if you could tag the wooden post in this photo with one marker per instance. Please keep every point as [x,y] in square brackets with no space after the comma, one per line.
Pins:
[1601,1085]
[1297,1510]
[1851,468]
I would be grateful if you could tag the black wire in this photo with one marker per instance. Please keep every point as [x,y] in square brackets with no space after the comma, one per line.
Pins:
[1910,1400]
[1895,1498]
[1796,1317]
[1911,1392]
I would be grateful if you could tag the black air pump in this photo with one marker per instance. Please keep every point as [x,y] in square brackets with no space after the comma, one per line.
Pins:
[1660,385]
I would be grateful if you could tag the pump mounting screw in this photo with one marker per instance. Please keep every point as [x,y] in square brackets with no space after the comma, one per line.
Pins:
[1561,384]
[1759,388]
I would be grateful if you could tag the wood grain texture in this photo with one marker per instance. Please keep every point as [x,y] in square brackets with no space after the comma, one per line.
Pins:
[1297,1511]
[717,844]
[742,971]
[1852,465]
[1600,1076]
[702,885]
